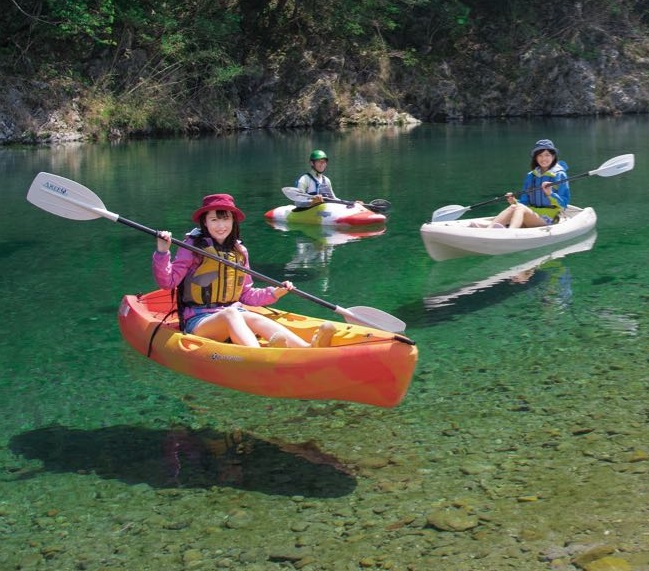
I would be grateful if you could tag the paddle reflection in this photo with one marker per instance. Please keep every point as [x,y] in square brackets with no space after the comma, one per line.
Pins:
[547,269]
[314,247]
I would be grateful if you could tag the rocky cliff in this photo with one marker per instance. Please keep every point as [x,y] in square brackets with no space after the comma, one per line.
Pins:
[302,90]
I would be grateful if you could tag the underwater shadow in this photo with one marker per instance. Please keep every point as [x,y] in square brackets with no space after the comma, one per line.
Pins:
[185,458]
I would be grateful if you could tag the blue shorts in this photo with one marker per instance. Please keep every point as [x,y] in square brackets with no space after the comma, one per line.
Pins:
[547,219]
[193,322]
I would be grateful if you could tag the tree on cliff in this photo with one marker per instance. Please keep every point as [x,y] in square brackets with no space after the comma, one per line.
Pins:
[143,66]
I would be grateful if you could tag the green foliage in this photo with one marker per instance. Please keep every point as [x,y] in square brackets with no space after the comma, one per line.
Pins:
[72,19]
[222,76]
[151,60]
[366,17]
[106,114]
[199,37]
[410,58]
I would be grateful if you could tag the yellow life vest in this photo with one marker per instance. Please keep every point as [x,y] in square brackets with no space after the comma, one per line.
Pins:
[551,212]
[553,209]
[213,283]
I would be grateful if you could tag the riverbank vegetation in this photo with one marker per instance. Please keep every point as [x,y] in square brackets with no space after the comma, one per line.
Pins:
[126,67]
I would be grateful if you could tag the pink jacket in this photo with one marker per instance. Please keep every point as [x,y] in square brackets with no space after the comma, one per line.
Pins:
[168,275]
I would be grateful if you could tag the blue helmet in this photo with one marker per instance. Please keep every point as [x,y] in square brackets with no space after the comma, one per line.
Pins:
[543,145]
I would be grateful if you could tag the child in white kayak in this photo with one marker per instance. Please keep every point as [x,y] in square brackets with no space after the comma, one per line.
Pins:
[545,194]
[212,293]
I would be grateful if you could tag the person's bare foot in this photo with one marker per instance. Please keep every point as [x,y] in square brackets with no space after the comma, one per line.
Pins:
[323,335]
[278,339]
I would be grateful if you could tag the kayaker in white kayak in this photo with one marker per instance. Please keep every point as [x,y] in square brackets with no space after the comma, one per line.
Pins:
[211,293]
[544,195]
[315,182]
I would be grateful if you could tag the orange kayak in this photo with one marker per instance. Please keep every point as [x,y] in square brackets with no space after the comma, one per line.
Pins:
[363,364]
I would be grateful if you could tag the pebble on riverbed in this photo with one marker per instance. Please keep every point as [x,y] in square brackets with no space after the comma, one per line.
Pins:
[452,520]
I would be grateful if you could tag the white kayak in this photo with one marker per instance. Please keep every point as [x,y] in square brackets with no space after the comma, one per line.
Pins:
[458,238]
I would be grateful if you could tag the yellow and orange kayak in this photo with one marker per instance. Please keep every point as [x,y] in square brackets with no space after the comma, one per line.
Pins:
[363,364]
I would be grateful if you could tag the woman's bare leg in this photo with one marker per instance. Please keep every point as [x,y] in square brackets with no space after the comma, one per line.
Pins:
[227,323]
[266,328]
[242,327]
[504,217]
[525,217]
[517,217]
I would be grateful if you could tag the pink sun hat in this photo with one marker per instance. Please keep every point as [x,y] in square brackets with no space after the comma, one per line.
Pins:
[218,202]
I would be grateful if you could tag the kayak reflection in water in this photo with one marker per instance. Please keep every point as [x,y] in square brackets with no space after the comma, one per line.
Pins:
[552,281]
[315,245]
[546,278]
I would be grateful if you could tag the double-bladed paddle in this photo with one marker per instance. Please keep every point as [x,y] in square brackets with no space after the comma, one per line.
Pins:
[612,167]
[378,205]
[72,200]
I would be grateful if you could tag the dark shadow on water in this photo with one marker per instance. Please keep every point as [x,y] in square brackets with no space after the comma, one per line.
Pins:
[181,457]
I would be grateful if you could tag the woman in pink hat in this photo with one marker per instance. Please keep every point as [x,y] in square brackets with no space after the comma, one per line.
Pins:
[211,294]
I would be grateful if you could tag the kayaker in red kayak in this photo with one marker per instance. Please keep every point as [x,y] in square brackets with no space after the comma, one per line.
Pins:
[210,294]
[315,182]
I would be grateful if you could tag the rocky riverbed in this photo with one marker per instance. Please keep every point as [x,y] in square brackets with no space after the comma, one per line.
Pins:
[545,474]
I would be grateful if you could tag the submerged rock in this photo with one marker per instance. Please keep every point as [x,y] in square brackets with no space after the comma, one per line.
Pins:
[452,520]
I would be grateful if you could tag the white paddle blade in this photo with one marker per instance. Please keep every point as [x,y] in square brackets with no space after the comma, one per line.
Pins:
[615,166]
[66,198]
[372,317]
[450,212]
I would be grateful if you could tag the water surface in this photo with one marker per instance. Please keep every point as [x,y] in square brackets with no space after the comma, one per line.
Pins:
[521,444]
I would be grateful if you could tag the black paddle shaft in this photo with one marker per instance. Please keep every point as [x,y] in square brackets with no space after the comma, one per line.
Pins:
[244,269]
[529,190]
[230,263]
[378,207]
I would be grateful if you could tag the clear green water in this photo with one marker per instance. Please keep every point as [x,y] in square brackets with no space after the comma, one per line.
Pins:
[522,443]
